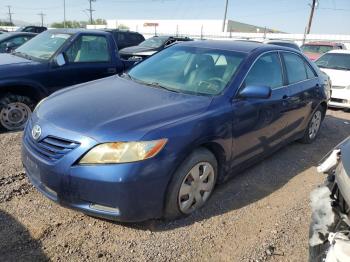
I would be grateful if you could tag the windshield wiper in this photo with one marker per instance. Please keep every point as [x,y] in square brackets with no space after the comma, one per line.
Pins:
[24,55]
[341,68]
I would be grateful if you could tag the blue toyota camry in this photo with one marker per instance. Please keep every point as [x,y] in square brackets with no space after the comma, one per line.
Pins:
[155,141]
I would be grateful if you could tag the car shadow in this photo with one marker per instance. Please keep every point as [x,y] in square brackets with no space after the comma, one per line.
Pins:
[16,244]
[262,179]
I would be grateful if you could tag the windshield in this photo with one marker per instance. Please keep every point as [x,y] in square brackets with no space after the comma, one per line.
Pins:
[154,42]
[320,49]
[334,61]
[43,46]
[190,70]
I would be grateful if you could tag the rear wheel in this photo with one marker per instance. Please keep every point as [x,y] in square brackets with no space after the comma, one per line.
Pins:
[313,127]
[192,184]
[15,111]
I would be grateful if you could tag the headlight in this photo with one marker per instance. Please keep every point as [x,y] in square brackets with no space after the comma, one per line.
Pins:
[123,152]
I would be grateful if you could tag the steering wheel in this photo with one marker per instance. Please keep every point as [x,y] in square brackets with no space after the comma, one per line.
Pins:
[212,84]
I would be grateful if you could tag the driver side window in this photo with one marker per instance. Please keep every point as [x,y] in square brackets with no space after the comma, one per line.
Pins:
[266,71]
[88,48]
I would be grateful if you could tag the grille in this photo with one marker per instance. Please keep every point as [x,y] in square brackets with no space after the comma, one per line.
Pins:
[338,100]
[50,148]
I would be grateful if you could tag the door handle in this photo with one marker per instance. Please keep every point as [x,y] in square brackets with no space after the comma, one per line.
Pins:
[111,70]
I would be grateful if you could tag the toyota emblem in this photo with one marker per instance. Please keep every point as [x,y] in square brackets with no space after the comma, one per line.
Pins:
[36,132]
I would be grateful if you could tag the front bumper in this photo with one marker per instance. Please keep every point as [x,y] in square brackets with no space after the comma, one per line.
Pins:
[128,192]
[340,98]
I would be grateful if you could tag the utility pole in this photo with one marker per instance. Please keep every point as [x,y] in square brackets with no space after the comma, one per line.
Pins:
[10,14]
[91,10]
[42,18]
[64,13]
[314,4]
[224,22]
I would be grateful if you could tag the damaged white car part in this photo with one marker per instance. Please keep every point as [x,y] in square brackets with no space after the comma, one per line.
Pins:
[330,162]
[339,250]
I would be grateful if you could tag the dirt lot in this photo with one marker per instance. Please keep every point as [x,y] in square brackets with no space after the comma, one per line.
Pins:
[260,215]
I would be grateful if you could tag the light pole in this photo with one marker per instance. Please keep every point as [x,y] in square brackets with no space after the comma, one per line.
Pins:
[225,15]
[64,13]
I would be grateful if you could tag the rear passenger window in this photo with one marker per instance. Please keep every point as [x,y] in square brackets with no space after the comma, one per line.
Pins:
[295,66]
[266,72]
[309,72]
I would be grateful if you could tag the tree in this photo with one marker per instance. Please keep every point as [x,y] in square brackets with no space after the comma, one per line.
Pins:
[78,24]
[125,27]
[69,24]
[99,21]
[5,23]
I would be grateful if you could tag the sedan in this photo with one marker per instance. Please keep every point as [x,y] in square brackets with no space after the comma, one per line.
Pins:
[10,41]
[154,142]
[336,64]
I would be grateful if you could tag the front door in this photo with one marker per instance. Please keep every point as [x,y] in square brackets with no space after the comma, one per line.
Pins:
[259,124]
[87,58]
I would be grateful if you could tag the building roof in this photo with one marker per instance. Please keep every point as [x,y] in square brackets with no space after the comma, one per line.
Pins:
[234,26]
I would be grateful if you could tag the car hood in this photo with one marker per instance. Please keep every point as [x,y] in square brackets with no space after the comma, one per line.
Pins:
[140,50]
[9,59]
[117,109]
[13,66]
[338,77]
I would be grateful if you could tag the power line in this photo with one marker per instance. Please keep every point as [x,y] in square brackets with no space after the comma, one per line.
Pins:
[42,18]
[10,14]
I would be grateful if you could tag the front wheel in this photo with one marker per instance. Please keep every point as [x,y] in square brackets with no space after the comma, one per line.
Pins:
[313,127]
[192,184]
[15,111]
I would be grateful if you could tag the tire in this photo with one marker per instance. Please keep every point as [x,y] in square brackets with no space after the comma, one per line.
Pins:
[188,191]
[15,111]
[313,127]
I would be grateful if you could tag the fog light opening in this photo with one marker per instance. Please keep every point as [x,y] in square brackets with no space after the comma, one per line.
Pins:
[98,207]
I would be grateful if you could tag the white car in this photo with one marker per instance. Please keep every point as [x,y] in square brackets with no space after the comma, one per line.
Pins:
[336,64]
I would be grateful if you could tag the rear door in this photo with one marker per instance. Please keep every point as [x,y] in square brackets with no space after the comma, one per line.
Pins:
[259,124]
[303,88]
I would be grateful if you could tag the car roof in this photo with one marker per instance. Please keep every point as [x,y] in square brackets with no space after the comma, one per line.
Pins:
[279,41]
[21,33]
[120,30]
[73,31]
[7,35]
[340,51]
[323,43]
[234,45]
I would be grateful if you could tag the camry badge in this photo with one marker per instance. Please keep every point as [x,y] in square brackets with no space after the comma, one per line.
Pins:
[36,132]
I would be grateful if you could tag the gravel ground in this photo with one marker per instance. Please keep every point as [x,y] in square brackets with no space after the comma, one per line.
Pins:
[260,215]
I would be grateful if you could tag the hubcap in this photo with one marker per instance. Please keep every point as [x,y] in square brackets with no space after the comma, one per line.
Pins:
[315,124]
[14,116]
[196,187]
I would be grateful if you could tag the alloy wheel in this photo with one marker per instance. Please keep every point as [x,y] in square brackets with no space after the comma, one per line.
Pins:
[315,124]
[196,187]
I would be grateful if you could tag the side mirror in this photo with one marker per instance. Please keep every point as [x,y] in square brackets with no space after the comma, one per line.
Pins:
[60,60]
[9,47]
[255,92]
